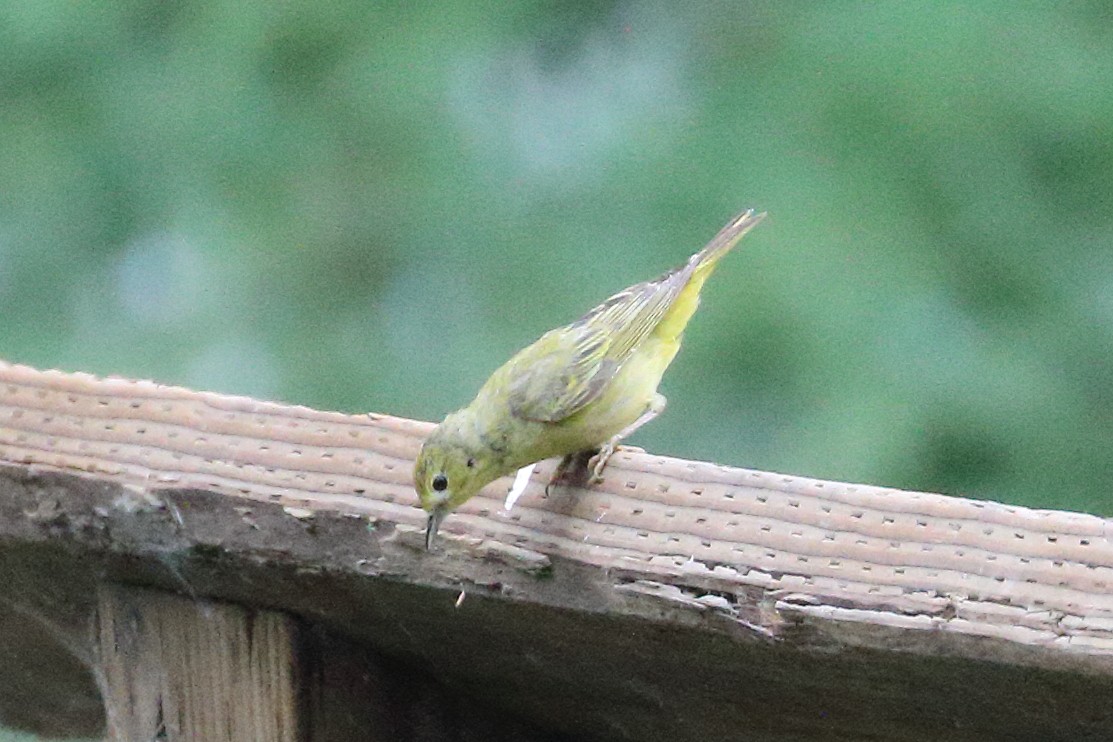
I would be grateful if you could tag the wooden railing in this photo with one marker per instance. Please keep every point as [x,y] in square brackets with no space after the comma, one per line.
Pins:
[675,600]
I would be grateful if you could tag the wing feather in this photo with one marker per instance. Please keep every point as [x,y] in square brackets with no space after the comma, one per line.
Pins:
[573,364]
[569,367]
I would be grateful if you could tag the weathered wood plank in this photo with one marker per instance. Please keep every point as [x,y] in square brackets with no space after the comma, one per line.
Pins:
[748,586]
[180,669]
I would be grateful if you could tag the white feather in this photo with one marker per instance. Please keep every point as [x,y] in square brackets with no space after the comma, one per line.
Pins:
[521,479]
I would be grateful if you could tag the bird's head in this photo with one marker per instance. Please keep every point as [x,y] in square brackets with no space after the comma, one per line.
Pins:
[447,473]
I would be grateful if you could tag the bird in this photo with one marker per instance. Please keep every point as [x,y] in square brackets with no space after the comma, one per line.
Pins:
[576,392]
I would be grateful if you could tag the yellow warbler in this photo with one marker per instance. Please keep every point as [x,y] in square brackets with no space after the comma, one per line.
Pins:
[579,388]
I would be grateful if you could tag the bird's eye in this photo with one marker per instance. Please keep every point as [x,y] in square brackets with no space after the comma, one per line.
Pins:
[440,483]
[471,463]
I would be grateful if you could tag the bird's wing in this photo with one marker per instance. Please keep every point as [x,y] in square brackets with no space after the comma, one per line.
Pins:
[568,368]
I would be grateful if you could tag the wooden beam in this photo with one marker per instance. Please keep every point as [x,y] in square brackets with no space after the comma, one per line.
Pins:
[676,599]
[178,669]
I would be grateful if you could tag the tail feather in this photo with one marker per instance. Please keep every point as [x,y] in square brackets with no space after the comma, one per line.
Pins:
[699,267]
[721,244]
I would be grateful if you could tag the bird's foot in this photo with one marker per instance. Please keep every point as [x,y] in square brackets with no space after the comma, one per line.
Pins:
[598,462]
[586,467]
[560,474]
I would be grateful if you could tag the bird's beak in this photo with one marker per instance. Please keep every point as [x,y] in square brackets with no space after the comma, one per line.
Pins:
[432,525]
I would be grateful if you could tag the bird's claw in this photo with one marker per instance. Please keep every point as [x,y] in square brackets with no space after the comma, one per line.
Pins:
[560,474]
[585,467]
[598,462]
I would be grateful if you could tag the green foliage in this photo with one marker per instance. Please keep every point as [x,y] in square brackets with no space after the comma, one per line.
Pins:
[370,206]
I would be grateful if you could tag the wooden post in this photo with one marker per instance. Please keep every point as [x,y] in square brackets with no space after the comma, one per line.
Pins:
[178,669]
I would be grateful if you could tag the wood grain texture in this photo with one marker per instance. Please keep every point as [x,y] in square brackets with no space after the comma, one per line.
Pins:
[755,557]
[178,669]
[846,552]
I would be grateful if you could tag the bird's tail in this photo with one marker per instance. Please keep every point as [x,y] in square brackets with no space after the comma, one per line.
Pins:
[699,267]
[704,261]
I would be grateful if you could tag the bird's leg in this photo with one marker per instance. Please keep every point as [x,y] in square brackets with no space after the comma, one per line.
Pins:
[560,474]
[598,462]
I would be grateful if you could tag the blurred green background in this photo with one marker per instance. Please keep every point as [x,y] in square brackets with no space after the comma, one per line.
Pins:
[370,206]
